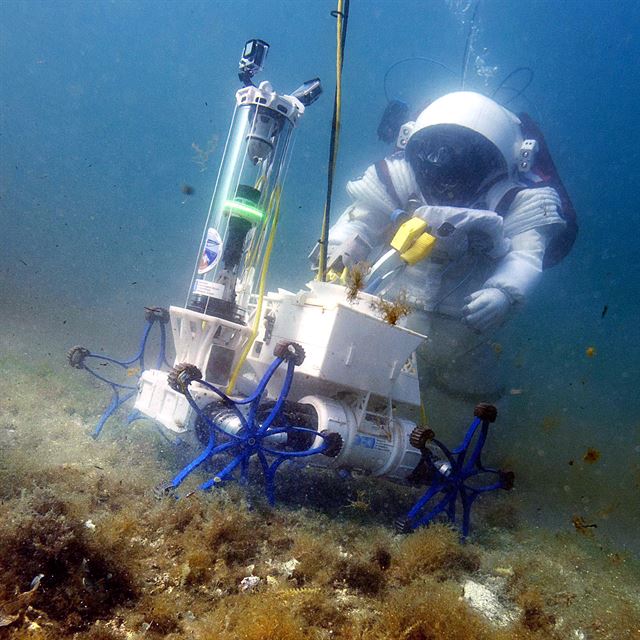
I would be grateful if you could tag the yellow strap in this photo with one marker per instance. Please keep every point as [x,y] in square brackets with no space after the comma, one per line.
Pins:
[412,242]
[407,233]
[420,249]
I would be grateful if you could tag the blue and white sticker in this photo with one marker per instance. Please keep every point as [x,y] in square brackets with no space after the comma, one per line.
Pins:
[211,253]
[365,441]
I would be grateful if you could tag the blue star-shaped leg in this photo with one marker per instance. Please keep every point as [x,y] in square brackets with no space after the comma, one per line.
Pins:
[456,474]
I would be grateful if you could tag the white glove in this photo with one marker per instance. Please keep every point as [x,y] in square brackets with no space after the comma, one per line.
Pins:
[486,309]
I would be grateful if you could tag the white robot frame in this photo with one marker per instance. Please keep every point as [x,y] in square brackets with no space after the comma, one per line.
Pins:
[355,379]
[357,370]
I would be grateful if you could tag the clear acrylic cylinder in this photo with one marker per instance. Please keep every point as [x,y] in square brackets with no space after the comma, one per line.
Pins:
[245,203]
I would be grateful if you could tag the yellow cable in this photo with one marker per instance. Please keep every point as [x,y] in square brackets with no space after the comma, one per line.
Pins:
[257,243]
[339,23]
[275,204]
[322,257]
[423,413]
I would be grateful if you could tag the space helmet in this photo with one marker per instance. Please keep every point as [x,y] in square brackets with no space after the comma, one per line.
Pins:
[461,145]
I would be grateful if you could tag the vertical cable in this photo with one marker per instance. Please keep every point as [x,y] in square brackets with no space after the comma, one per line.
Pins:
[342,17]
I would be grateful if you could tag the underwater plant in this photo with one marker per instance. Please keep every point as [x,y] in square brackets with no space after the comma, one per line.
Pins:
[118,564]
[364,577]
[591,456]
[252,617]
[391,311]
[80,582]
[201,155]
[534,614]
[426,610]
[356,279]
[434,550]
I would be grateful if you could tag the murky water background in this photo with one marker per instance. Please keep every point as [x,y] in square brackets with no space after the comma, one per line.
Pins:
[108,109]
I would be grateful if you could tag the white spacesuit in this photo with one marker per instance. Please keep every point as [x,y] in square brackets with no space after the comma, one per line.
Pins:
[464,169]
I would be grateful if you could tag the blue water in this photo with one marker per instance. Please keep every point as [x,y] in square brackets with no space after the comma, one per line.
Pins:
[101,103]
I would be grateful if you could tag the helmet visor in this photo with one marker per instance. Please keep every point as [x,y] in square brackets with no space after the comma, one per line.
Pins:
[453,165]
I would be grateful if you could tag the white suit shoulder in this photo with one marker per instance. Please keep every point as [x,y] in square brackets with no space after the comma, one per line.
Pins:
[370,192]
[532,209]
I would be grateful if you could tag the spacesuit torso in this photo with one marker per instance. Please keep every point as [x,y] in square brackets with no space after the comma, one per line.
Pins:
[476,249]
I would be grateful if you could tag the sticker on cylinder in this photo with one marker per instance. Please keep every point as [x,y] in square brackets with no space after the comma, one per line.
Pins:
[211,289]
[211,253]
[365,441]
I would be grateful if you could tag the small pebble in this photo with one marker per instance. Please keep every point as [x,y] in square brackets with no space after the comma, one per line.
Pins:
[249,583]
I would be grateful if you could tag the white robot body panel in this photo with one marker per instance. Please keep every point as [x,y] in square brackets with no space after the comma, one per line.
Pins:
[347,347]
[356,368]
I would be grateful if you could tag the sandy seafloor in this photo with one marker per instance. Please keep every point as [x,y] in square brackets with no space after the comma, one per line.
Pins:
[326,563]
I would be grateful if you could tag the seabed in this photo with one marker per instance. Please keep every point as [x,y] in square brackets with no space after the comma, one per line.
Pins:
[117,563]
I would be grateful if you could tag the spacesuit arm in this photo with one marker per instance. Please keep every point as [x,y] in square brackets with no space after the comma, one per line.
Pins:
[533,219]
[521,269]
[356,232]
[516,275]
[366,223]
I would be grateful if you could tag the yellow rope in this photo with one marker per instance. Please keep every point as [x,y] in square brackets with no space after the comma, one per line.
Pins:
[322,256]
[253,256]
[275,206]
[339,27]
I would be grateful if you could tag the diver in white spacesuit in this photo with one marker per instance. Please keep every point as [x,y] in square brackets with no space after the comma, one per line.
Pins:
[464,168]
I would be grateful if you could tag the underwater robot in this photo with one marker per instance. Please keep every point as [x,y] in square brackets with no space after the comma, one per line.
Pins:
[356,366]
[314,375]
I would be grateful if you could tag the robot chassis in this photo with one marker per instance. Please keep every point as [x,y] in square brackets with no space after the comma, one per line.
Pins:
[280,376]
